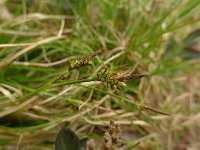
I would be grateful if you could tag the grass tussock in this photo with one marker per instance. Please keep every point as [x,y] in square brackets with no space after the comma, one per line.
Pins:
[53,73]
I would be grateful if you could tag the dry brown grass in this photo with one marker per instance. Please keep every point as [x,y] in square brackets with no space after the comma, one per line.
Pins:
[36,42]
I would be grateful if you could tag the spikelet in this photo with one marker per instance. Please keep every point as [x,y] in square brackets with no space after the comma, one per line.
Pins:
[78,63]
[115,81]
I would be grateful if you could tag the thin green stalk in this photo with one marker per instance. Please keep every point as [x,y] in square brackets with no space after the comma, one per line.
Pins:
[138,105]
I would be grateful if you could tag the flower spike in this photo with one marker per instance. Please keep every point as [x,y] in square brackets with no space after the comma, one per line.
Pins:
[78,63]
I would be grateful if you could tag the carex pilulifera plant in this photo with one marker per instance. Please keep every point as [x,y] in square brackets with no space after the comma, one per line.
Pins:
[115,81]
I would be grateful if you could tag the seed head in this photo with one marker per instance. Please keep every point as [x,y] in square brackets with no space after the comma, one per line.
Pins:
[112,137]
[115,81]
[78,63]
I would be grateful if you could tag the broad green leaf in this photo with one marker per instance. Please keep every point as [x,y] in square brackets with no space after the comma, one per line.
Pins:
[67,140]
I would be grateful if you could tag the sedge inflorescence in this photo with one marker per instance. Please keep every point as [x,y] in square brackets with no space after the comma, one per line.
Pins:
[115,81]
[78,63]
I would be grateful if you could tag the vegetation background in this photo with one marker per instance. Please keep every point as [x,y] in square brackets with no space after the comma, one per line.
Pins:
[39,37]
